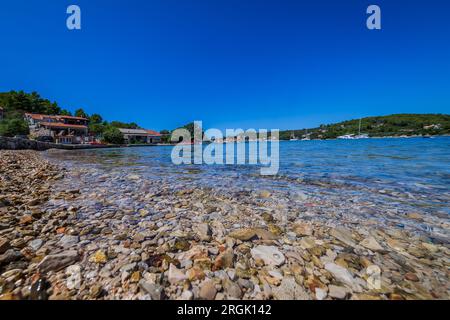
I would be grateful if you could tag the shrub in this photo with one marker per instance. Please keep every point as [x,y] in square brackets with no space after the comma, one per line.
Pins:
[13,127]
[113,135]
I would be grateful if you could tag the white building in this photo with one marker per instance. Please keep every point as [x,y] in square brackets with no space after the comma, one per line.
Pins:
[141,136]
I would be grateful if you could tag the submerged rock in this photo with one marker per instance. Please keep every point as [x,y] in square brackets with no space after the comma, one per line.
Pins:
[38,290]
[57,262]
[74,277]
[264,194]
[4,245]
[68,241]
[343,235]
[372,244]
[343,275]
[36,244]
[99,257]
[302,229]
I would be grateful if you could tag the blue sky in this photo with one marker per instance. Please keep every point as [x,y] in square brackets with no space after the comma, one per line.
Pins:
[230,63]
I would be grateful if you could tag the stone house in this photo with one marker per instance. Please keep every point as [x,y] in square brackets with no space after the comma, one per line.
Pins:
[63,129]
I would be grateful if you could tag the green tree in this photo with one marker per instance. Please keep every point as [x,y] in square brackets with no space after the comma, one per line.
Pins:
[30,102]
[191,127]
[97,128]
[51,108]
[113,135]
[80,113]
[96,118]
[124,125]
[165,136]
[65,112]
[13,127]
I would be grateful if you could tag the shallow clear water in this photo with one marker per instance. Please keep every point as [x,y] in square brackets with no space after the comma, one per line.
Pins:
[413,172]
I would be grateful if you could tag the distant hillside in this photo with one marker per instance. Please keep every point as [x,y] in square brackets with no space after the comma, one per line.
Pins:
[383,126]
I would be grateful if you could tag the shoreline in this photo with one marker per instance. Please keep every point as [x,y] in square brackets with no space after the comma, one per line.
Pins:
[83,233]
[7,143]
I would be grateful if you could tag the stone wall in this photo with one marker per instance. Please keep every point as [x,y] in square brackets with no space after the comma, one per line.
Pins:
[22,144]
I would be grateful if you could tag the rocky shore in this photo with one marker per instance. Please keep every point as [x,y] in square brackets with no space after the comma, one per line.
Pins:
[87,234]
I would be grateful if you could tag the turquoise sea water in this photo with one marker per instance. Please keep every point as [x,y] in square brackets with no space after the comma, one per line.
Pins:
[413,172]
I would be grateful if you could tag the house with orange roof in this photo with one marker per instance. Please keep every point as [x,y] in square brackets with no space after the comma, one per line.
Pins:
[153,136]
[63,129]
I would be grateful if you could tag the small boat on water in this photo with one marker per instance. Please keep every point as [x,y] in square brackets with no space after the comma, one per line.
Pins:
[293,138]
[353,136]
[346,137]
[306,137]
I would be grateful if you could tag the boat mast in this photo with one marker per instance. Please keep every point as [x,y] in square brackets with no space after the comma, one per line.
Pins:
[359,131]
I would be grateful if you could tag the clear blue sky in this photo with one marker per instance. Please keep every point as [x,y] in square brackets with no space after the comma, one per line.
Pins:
[231,63]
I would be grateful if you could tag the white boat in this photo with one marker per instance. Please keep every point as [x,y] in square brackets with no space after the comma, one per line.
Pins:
[306,138]
[361,136]
[293,138]
[354,137]
[347,137]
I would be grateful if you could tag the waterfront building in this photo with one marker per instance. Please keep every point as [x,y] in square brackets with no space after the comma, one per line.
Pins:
[63,129]
[141,136]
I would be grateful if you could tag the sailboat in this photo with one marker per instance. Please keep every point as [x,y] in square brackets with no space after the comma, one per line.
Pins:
[361,136]
[306,138]
[293,138]
[358,136]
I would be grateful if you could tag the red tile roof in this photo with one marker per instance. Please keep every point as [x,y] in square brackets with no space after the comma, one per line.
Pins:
[153,133]
[62,125]
[34,116]
[37,116]
[73,118]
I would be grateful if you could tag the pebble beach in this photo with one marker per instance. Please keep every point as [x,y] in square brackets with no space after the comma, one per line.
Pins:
[75,231]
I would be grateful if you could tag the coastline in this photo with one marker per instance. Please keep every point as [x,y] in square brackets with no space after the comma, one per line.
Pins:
[69,234]
[7,143]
